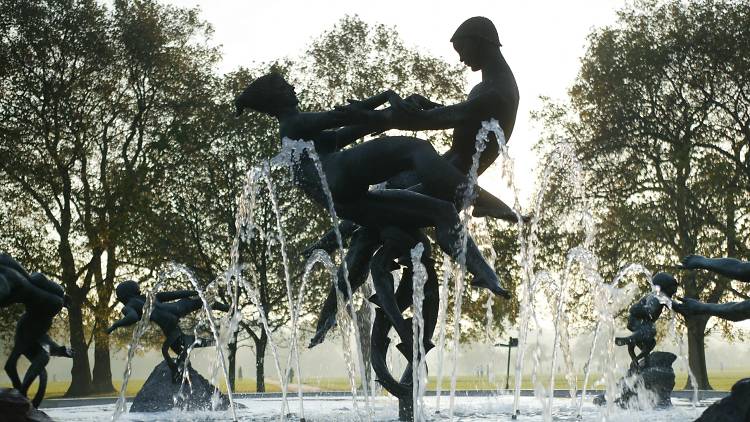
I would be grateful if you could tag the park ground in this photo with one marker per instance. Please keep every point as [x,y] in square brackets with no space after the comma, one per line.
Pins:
[720,381]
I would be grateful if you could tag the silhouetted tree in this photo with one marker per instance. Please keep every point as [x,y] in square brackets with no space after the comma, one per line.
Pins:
[659,121]
[90,106]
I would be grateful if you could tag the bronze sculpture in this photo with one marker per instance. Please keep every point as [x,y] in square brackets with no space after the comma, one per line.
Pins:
[43,300]
[642,318]
[167,310]
[477,44]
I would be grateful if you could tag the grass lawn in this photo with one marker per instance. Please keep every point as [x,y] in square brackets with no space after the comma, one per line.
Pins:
[720,380]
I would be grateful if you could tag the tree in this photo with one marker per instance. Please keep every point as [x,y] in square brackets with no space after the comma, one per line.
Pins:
[89,107]
[658,120]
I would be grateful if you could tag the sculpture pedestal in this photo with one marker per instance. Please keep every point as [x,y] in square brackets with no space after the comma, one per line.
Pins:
[157,394]
[647,386]
[14,407]
[733,408]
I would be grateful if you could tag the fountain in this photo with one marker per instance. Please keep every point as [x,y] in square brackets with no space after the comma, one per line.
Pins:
[417,289]
[611,299]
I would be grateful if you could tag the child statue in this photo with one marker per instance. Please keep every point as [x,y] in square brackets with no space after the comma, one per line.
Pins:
[169,308]
[642,319]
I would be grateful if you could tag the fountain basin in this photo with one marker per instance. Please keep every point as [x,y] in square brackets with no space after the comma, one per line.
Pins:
[340,408]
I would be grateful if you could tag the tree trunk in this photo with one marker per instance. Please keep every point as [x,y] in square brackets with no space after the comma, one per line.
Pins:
[260,362]
[696,327]
[102,381]
[233,361]
[80,383]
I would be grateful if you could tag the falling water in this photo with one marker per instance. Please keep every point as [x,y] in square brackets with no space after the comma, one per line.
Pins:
[179,397]
[469,193]
[443,312]
[318,256]
[220,342]
[287,279]
[559,315]
[609,300]
[297,148]
[419,366]
[527,241]
[600,291]
[587,368]
[140,329]
[527,257]
[246,228]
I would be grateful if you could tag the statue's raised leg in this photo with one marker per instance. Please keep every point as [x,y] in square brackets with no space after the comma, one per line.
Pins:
[363,245]
[39,360]
[385,208]
[402,389]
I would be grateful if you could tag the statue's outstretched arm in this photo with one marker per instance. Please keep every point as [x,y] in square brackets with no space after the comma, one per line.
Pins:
[728,267]
[376,100]
[176,295]
[310,125]
[376,124]
[732,311]
[349,134]
[130,317]
[446,117]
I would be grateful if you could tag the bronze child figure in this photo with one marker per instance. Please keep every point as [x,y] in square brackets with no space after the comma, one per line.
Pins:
[642,320]
[169,308]
[43,299]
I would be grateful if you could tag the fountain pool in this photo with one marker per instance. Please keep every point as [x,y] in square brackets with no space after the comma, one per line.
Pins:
[467,409]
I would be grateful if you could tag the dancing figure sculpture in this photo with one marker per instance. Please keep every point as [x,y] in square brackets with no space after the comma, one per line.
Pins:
[43,300]
[350,172]
[496,97]
[168,309]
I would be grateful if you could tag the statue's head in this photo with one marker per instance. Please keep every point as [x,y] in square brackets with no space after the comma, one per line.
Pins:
[474,39]
[666,282]
[127,290]
[269,94]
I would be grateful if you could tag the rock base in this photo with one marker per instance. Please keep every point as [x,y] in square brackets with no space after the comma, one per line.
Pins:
[733,408]
[646,386]
[158,393]
[15,407]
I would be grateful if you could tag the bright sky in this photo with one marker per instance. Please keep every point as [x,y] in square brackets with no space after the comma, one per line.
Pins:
[543,41]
